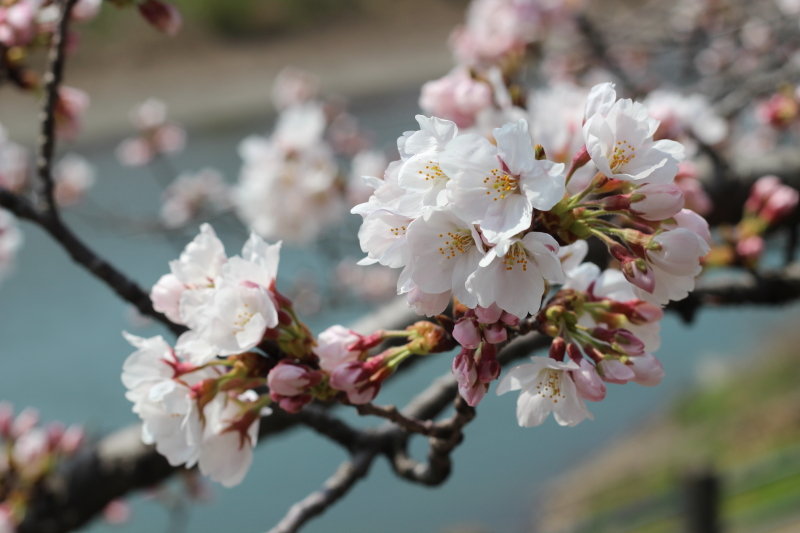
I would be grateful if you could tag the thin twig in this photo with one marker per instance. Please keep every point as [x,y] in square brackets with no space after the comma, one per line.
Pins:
[334,488]
[52,83]
[408,424]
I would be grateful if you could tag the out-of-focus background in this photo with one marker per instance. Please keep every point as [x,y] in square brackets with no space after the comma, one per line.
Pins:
[728,405]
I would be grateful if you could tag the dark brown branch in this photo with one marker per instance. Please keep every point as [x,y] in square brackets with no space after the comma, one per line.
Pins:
[773,288]
[408,424]
[52,85]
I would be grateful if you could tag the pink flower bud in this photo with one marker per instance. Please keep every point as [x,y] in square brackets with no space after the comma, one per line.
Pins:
[580,158]
[55,431]
[656,201]
[456,96]
[488,370]
[6,419]
[573,351]
[645,313]
[638,272]
[760,191]
[558,348]
[509,319]
[647,370]
[291,404]
[337,345]
[117,512]
[72,439]
[348,376]
[614,371]
[750,248]
[779,205]
[24,422]
[696,198]
[495,333]
[162,15]
[488,315]
[466,373]
[587,381]
[290,379]
[467,333]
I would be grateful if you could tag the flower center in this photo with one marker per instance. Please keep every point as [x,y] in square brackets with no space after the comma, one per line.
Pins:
[459,240]
[623,154]
[516,257]
[500,184]
[399,231]
[549,384]
[433,173]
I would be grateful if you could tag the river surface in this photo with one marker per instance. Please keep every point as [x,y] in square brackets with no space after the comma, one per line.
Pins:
[61,351]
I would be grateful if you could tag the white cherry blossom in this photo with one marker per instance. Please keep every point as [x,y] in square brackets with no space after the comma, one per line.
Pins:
[619,138]
[513,273]
[545,386]
[198,266]
[420,171]
[227,450]
[446,252]
[498,187]
[10,242]
[235,317]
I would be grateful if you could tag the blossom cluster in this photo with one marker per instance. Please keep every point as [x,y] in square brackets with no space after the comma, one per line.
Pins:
[488,223]
[30,453]
[202,400]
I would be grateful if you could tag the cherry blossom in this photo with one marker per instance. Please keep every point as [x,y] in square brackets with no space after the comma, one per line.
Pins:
[498,187]
[235,316]
[156,135]
[197,269]
[447,251]
[421,172]
[545,386]
[13,163]
[513,273]
[615,129]
[194,193]
[10,242]
[457,97]
[73,176]
[294,86]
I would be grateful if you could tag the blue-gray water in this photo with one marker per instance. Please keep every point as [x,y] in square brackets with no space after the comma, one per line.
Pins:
[61,352]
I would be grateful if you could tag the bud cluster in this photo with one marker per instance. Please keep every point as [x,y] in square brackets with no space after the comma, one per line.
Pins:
[30,453]
[770,203]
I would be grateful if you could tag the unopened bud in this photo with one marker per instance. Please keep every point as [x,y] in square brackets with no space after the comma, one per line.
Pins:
[162,15]
[580,158]
[558,348]
[538,150]
[495,333]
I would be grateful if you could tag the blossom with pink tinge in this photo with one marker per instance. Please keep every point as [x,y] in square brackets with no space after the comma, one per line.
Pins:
[117,512]
[780,111]
[590,386]
[193,194]
[545,386]
[70,107]
[470,387]
[780,205]
[10,242]
[647,370]
[614,371]
[294,86]
[14,164]
[694,195]
[73,175]
[18,22]
[750,249]
[335,346]
[354,379]
[290,383]
[457,97]
[157,135]
[86,10]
